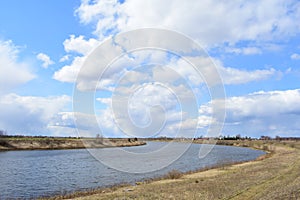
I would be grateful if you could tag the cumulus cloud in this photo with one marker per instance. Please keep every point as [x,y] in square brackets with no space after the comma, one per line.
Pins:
[107,11]
[141,111]
[29,114]
[13,72]
[228,21]
[125,69]
[80,44]
[257,22]
[152,108]
[45,59]
[261,113]
[238,27]
[74,124]
[69,73]
[265,104]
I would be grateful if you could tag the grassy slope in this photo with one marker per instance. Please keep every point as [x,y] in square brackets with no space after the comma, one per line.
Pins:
[276,177]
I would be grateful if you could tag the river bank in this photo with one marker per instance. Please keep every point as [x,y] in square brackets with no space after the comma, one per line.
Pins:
[49,143]
[273,176]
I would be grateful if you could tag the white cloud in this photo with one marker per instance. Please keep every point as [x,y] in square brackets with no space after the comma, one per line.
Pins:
[262,113]
[80,45]
[145,109]
[265,104]
[208,22]
[13,73]
[148,109]
[205,121]
[104,13]
[74,124]
[244,50]
[212,68]
[29,114]
[64,58]
[235,76]
[85,125]
[238,27]
[229,23]
[134,77]
[295,56]
[258,113]
[202,122]
[45,59]
[69,73]
[131,69]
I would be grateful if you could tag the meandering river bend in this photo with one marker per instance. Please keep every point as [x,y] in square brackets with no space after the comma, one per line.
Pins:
[37,173]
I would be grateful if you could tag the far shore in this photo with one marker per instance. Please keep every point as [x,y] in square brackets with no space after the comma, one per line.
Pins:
[55,143]
[275,175]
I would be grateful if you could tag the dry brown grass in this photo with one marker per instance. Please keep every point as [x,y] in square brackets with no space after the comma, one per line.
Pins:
[32,143]
[174,174]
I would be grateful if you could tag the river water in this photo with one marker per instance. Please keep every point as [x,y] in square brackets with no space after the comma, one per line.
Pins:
[38,173]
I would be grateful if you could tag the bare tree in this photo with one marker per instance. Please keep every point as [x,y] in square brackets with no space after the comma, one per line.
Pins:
[99,138]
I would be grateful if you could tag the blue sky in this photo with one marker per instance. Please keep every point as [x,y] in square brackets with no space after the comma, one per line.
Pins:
[254,45]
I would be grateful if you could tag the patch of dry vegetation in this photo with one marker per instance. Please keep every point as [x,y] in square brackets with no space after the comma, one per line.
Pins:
[32,143]
[174,174]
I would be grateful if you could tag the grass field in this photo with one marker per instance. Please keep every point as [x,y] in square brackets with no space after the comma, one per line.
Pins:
[274,176]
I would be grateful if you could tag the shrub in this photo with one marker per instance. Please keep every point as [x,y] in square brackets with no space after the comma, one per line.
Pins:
[265,148]
[174,174]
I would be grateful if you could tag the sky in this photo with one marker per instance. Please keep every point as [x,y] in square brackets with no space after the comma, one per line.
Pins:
[248,53]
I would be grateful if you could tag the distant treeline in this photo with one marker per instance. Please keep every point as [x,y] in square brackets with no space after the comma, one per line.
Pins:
[69,137]
[237,137]
[3,134]
[38,136]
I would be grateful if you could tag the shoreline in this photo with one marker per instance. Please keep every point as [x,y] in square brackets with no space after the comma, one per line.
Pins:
[272,148]
[47,143]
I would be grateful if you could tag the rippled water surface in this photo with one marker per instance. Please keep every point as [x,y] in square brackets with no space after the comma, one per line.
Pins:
[32,174]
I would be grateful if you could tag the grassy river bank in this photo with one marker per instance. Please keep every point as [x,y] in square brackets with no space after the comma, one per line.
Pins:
[273,176]
[49,143]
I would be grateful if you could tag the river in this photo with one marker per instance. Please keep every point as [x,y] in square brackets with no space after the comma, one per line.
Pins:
[38,173]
